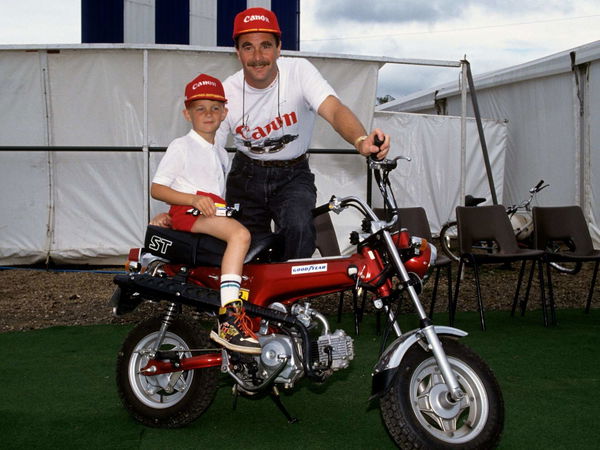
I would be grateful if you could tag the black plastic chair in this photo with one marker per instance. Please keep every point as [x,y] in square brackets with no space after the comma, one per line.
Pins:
[564,225]
[327,244]
[491,224]
[415,221]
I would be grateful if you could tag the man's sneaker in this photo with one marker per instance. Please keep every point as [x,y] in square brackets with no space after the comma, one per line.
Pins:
[235,332]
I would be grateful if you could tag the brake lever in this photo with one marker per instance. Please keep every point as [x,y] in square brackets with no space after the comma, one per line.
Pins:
[385,164]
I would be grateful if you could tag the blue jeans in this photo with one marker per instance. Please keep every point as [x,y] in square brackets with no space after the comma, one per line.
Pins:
[285,195]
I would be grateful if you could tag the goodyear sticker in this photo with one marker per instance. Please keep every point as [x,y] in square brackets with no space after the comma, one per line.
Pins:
[309,268]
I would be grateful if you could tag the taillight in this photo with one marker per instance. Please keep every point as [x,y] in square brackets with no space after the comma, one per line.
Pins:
[133,260]
[134,254]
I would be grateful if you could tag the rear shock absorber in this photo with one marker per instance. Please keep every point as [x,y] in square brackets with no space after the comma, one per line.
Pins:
[172,311]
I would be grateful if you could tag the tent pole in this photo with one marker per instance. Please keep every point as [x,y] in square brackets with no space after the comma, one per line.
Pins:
[49,141]
[463,133]
[484,150]
[145,147]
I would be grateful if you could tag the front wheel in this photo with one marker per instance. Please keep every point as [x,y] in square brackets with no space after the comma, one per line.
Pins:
[168,400]
[419,413]
[449,240]
[563,267]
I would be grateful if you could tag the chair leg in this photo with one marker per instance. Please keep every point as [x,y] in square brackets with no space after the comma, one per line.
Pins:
[452,312]
[550,294]
[434,292]
[355,310]
[340,306]
[528,290]
[519,281]
[478,292]
[449,277]
[361,310]
[591,293]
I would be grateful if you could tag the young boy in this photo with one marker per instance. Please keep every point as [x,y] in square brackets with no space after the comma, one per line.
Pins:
[192,175]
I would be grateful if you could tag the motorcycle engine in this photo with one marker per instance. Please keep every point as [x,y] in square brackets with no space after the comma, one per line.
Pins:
[335,350]
[278,349]
[282,353]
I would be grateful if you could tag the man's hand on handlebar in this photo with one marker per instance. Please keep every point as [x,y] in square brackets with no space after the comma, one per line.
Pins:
[377,144]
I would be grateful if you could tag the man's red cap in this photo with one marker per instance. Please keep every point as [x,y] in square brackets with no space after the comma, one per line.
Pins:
[204,87]
[256,20]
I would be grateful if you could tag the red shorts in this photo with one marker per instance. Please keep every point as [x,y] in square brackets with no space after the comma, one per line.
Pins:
[184,222]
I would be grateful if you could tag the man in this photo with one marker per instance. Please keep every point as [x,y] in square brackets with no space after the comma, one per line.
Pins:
[272,106]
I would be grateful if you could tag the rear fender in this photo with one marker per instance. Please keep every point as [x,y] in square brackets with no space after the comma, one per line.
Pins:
[391,359]
[123,301]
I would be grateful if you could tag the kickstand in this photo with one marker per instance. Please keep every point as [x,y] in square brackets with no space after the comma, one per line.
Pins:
[277,399]
[235,394]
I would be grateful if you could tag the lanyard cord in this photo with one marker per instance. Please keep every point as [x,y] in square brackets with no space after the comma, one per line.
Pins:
[244,120]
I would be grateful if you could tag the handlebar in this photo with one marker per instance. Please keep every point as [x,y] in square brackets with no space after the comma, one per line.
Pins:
[325,208]
[538,187]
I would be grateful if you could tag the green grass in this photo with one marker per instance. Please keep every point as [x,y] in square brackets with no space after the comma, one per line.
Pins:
[58,391]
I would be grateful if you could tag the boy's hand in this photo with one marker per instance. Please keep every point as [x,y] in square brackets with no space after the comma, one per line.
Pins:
[205,205]
[161,220]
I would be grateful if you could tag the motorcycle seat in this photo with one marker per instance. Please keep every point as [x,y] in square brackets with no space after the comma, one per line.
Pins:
[197,249]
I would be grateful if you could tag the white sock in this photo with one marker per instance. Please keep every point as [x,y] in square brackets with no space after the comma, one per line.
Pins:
[230,288]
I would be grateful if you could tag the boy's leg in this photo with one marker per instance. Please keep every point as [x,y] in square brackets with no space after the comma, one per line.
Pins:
[235,332]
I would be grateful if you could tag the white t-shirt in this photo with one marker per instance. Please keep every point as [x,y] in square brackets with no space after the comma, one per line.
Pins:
[192,164]
[261,117]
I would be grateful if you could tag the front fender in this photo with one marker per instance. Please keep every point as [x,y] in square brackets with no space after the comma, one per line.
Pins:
[389,363]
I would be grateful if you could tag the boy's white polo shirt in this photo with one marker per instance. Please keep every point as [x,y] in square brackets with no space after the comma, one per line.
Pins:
[192,164]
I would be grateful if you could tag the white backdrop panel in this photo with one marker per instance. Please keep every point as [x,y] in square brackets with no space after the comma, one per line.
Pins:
[593,128]
[541,136]
[22,117]
[24,207]
[432,178]
[97,97]
[99,201]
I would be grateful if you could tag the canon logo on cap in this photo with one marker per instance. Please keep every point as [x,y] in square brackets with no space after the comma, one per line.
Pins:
[255,17]
[203,83]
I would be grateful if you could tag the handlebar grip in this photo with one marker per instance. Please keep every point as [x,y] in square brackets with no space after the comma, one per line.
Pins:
[537,186]
[378,142]
[323,209]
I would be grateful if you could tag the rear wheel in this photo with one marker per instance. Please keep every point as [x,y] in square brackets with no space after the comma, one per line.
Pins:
[167,400]
[419,413]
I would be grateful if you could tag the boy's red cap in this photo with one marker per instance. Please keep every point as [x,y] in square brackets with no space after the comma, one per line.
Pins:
[255,20]
[205,87]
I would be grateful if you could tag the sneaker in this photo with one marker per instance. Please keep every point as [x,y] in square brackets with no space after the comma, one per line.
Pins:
[235,332]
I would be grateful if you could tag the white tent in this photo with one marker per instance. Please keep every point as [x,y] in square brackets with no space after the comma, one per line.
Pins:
[553,110]
[83,128]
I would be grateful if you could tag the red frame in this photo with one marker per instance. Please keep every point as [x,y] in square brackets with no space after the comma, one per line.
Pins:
[284,282]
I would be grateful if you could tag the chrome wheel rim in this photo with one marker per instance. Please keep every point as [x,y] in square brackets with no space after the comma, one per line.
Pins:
[449,421]
[164,390]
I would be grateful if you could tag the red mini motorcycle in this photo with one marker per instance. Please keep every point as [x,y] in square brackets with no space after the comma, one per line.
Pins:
[434,392]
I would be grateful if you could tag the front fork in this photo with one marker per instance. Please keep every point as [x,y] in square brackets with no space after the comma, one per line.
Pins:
[427,328]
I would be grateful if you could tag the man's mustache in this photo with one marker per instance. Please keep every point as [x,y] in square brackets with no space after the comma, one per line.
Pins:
[258,63]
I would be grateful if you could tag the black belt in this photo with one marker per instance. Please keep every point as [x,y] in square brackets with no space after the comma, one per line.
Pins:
[273,162]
